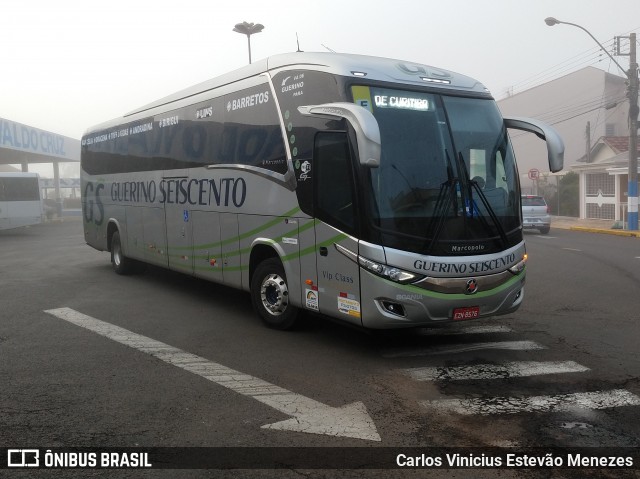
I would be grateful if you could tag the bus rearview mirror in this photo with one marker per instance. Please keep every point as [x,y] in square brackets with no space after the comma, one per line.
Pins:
[362,121]
[555,145]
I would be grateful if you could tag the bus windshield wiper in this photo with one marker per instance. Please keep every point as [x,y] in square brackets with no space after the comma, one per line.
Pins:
[473,185]
[494,218]
[445,197]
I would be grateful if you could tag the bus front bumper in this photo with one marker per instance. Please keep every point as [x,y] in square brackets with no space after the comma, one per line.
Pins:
[388,305]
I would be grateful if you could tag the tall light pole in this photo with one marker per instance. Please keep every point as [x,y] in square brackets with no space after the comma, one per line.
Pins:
[248,29]
[632,76]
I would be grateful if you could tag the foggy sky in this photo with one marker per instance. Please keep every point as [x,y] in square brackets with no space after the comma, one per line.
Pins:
[68,65]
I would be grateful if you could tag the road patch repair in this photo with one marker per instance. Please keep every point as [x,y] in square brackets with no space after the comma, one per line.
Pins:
[514,405]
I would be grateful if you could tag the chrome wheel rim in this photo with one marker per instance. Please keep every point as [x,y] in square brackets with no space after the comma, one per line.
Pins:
[117,254]
[274,294]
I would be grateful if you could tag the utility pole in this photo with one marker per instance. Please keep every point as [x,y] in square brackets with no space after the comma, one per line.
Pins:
[633,135]
[632,94]
[587,135]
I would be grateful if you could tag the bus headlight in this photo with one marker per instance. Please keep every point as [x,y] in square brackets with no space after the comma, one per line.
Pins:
[519,267]
[396,275]
[389,272]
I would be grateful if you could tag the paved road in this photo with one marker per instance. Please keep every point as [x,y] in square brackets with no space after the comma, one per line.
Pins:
[191,365]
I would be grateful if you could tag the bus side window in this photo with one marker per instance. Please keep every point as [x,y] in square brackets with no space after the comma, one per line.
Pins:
[334,195]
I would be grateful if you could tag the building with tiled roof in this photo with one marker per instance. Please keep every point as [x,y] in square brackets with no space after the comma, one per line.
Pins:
[604,179]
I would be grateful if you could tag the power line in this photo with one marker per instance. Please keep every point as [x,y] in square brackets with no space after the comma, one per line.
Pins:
[598,102]
[583,58]
[601,101]
[589,57]
[575,113]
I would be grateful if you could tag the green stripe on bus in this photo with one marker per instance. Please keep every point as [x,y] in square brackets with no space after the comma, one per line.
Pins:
[259,229]
[288,257]
[432,294]
[295,232]
[311,249]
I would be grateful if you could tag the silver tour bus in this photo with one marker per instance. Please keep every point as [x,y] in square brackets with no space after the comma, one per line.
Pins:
[379,192]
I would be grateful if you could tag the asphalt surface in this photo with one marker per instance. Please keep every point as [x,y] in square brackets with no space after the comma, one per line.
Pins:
[65,385]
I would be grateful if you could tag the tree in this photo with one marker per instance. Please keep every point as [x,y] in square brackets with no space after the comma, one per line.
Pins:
[569,196]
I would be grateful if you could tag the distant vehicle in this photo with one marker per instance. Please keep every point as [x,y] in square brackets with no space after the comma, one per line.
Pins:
[376,191]
[20,202]
[535,213]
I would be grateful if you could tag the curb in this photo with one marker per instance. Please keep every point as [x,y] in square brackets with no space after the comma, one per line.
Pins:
[634,234]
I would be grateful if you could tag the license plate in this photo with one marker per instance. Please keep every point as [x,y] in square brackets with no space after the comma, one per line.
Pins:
[471,312]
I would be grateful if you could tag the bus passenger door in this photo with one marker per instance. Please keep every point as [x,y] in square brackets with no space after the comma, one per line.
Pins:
[336,251]
[177,211]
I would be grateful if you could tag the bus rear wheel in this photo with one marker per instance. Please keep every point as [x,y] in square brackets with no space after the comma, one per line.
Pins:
[270,295]
[121,264]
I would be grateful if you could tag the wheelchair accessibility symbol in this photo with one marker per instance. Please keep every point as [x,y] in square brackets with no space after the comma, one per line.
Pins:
[185,215]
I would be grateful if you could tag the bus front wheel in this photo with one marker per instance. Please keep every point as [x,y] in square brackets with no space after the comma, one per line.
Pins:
[121,264]
[270,295]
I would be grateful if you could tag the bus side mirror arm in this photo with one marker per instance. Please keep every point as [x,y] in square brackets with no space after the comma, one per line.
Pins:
[555,145]
[363,122]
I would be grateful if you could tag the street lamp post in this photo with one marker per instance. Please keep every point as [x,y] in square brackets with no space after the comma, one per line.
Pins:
[248,29]
[632,76]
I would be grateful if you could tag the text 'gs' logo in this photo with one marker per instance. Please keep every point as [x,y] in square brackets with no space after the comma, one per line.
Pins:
[92,206]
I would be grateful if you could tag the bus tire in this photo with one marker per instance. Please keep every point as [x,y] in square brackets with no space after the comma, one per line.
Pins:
[121,264]
[270,295]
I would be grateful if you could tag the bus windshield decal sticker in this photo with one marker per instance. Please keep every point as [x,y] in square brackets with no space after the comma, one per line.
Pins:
[362,96]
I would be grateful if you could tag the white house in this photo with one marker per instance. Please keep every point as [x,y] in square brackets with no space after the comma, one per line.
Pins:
[604,179]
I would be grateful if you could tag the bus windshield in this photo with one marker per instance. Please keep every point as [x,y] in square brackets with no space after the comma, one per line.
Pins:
[447,181]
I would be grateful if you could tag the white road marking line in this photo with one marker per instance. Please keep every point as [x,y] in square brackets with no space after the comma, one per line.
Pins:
[547,237]
[494,371]
[444,331]
[461,348]
[572,249]
[514,405]
[310,416]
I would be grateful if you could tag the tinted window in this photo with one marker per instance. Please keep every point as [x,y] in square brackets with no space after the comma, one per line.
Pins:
[239,128]
[333,181]
[252,134]
[533,201]
[305,87]
[19,189]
